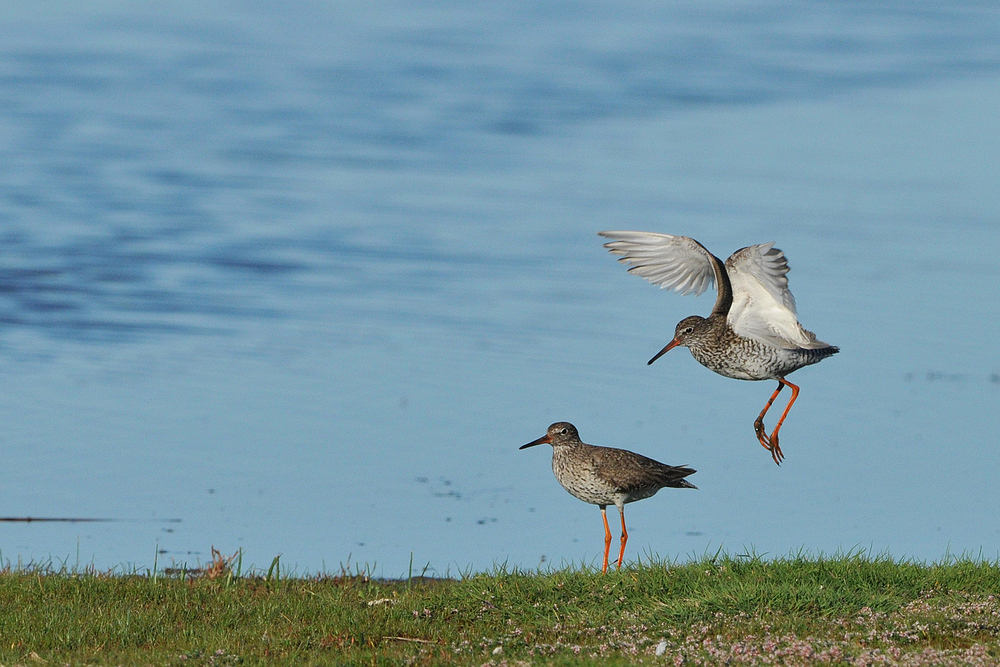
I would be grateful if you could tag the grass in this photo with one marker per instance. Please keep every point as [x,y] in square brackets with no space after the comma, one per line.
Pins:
[849,609]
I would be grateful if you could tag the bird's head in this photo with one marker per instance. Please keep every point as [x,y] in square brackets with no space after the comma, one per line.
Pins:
[560,433]
[687,330]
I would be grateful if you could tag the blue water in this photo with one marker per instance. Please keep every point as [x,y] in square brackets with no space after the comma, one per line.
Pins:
[304,278]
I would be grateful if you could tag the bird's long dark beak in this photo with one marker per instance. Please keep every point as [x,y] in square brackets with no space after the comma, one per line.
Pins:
[544,440]
[671,345]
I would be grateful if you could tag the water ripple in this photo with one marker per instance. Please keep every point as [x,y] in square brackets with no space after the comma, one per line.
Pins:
[142,186]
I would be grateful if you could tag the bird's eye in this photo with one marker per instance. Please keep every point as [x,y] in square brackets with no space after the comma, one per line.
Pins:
[564,431]
[689,330]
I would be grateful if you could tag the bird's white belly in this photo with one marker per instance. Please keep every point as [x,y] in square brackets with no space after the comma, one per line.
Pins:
[599,494]
[596,494]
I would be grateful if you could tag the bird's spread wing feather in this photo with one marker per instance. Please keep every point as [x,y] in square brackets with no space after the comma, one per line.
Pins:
[763,308]
[672,262]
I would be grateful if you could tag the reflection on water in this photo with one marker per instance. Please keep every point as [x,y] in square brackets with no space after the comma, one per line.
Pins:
[306,277]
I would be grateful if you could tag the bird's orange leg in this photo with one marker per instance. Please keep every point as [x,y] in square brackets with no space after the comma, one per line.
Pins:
[607,539]
[775,450]
[621,554]
[758,426]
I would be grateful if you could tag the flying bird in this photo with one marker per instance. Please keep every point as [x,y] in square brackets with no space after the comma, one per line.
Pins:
[753,332]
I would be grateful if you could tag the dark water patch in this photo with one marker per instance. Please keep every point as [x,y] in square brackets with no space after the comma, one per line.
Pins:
[185,179]
[137,282]
[117,288]
[252,260]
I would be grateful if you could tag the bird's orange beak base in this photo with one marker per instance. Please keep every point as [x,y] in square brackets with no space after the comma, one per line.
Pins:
[544,440]
[671,345]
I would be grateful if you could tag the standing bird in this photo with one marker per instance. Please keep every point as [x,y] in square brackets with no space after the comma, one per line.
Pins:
[606,476]
[753,332]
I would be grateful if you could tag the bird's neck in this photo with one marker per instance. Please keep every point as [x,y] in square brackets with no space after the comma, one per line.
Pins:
[708,334]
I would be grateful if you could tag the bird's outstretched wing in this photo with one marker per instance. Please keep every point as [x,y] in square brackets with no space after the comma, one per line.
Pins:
[672,262]
[763,308]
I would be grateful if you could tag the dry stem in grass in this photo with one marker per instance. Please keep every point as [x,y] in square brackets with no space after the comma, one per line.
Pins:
[219,566]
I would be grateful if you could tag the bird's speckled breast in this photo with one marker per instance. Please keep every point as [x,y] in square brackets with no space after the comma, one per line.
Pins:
[576,474]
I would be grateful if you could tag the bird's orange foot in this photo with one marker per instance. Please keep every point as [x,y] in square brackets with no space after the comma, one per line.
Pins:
[775,449]
[762,438]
